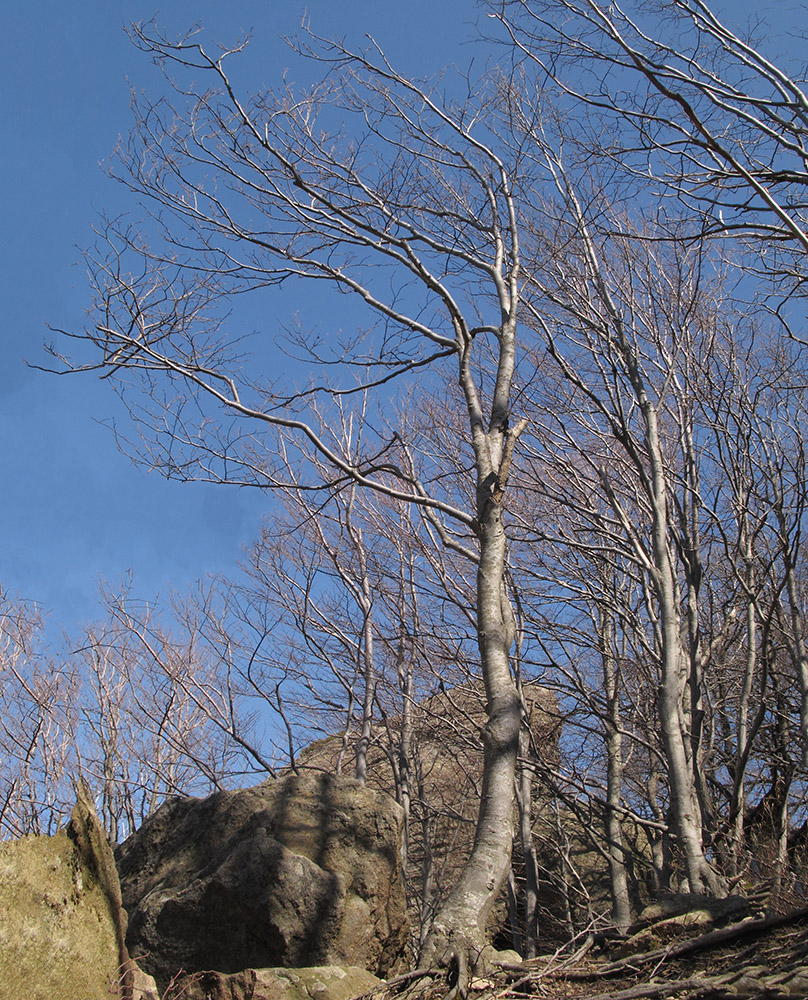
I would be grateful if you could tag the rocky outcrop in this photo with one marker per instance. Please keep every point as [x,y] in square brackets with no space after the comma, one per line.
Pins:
[298,871]
[319,983]
[62,928]
[445,754]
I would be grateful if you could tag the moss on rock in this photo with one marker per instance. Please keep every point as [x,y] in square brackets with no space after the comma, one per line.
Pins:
[58,936]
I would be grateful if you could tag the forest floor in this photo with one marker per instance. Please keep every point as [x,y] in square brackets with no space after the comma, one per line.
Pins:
[758,958]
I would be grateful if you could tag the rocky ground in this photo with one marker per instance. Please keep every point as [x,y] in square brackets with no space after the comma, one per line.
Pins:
[765,958]
[63,920]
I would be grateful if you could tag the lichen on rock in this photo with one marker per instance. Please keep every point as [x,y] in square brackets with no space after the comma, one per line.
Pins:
[63,927]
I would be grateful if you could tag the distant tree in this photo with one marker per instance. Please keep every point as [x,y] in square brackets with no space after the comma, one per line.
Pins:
[165,712]
[37,724]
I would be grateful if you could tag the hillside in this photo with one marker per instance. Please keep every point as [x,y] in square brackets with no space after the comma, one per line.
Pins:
[761,958]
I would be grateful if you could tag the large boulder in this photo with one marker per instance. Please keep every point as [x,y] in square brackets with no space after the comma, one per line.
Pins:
[298,871]
[62,927]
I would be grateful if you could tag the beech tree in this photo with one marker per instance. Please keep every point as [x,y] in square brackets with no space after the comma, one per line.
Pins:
[693,106]
[391,192]
[315,570]
[141,704]
[628,327]
[692,112]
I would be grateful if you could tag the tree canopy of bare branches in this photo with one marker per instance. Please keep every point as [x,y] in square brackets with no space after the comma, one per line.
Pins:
[560,418]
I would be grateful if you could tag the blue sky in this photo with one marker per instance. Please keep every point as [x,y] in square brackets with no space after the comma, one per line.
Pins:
[74,510]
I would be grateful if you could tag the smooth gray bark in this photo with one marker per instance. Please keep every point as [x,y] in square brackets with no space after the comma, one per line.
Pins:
[618,882]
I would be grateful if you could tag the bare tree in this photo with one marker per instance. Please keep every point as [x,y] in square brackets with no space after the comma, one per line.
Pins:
[160,710]
[393,194]
[691,111]
[629,320]
[692,105]
[333,573]
[404,204]
[319,572]
[37,724]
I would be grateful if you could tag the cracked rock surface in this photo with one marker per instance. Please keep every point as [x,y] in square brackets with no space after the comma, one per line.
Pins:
[298,871]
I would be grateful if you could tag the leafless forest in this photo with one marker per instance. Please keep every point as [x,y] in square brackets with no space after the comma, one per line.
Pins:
[538,501]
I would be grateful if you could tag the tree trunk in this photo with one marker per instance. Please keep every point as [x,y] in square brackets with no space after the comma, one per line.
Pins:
[798,652]
[684,800]
[618,882]
[458,935]
[524,794]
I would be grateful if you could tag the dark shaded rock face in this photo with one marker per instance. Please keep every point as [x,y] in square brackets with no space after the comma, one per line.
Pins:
[298,871]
